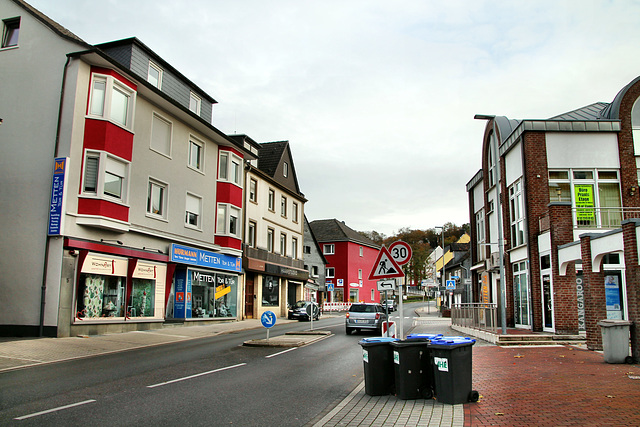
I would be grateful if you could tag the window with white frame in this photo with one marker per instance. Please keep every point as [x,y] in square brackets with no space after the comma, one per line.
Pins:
[635,127]
[294,248]
[283,244]
[161,130]
[193,211]
[10,32]
[154,75]
[328,249]
[272,200]
[491,160]
[251,234]
[105,176]
[230,169]
[157,198]
[285,169]
[196,154]
[361,251]
[516,212]
[194,103]
[283,206]
[314,271]
[330,272]
[480,239]
[253,190]
[270,237]
[294,212]
[360,274]
[111,100]
[228,220]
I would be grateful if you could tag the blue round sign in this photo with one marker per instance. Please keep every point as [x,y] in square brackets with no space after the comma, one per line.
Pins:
[268,319]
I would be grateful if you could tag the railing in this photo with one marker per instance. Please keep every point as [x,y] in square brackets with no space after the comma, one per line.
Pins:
[475,315]
[594,218]
[336,306]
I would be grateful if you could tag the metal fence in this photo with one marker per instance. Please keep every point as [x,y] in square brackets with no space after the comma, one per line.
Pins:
[475,315]
[595,218]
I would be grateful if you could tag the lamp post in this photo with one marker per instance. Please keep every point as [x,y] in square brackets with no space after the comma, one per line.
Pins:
[503,297]
[444,284]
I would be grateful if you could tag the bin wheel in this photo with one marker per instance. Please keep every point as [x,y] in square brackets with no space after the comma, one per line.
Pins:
[427,393]
[474,396]
[628,360]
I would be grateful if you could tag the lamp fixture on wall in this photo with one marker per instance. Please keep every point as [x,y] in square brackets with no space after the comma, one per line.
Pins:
[632,190]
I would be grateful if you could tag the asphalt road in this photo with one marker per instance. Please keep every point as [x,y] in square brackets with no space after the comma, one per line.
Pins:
[209,381]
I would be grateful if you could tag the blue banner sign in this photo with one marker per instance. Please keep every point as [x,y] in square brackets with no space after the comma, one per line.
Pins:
[56,207]
[201,258]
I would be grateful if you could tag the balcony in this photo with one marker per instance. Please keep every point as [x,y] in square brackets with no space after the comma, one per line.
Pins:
[594,218]
[272,258]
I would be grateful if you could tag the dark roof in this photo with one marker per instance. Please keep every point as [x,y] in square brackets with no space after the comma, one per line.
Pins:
[589,112]
[62,31]
[270,155]
[332,230]
[612,111]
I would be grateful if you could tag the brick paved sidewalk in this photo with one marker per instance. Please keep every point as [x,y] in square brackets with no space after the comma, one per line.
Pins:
[552,386]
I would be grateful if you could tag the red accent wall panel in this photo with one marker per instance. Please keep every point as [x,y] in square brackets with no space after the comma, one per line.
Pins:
[229,193]
[105,136]
[104,208]
[228,242]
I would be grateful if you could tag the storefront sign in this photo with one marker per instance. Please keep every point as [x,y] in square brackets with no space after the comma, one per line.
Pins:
[201,258]
[291,273]
[56,206]
[106,265]
[582,326]
[612,297]
[584,199]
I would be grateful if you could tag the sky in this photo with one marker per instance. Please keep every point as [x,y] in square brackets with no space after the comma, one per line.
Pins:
[377,98]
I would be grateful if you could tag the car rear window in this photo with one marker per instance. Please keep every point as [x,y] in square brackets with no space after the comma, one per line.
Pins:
[361,308]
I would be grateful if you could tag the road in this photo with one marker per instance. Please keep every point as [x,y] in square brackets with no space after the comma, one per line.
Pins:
[209,381]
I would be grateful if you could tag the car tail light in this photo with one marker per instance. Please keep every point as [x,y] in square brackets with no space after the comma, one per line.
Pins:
[347,315]
[377,316]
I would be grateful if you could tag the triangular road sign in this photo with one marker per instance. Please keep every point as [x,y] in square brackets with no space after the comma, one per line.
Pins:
[385,267]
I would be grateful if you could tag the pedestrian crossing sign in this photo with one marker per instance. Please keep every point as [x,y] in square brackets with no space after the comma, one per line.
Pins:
[385,266]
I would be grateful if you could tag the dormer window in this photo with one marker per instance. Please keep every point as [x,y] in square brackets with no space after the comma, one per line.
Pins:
[194,103]
[155,75]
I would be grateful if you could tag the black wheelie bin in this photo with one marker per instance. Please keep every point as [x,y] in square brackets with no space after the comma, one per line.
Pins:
[377,355]
[412,367]
[451,358]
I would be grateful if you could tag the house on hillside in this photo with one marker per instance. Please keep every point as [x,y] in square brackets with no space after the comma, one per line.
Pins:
[350,257]
[275,273]
[121,200]
[563,193]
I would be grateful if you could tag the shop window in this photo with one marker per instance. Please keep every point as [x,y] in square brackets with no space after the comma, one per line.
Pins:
[193,212]
[270,291]
[196,154]
[213,294]
[157,198]
[105,176]
[100,296]
[194,103]
[142,298]
[111,100]
[10,32]
[155,75]
[161,130]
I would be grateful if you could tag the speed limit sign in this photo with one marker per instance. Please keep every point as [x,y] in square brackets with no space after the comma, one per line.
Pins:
[400,252]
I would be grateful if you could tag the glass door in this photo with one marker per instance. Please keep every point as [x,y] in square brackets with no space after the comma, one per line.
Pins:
[547,293]
[521,295]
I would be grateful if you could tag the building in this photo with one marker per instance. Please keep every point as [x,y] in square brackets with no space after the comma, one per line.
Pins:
[315,263]
[560,191]
[274,230]
[350,257]
[123,203]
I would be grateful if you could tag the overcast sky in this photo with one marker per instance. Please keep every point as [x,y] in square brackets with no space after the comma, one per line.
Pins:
[377,98]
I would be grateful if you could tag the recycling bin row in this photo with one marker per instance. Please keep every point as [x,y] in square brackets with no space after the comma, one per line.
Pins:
[420,366]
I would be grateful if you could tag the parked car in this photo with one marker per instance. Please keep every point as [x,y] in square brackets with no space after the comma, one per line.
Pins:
[367,316]
[299,311]
[391,303]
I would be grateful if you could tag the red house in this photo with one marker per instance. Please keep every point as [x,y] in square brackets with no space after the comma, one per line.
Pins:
[350,257]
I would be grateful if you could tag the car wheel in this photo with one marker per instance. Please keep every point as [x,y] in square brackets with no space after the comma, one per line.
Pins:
[348,331]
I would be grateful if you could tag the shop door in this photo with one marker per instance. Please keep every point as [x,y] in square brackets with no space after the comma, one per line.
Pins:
[547,303]
[291,294]
[521,295]
[249,297]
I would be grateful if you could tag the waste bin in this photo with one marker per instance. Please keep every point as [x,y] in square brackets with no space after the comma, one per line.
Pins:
[452,364]
[615,340]
[377,355]
[412,368]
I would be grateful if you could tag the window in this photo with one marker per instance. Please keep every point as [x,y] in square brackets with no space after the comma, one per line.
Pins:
[194,103]
[157,198]
[360,274]
[272,200]
[285,169]
[635,127]
[196,154]
[294,248]
[193,212]
[516,210]
[105,176]
[283,244]
[361,251]
[330,272]
[328,249]
[229,169]
[155,75]
[251,237]
[314,271]
[161,135]
[294,213]
[10,32]
[307,249]
[521,293]
[228,220]
[492,160]
[270,237]
[283,206]
[111,100]
[253,190]
[480,234]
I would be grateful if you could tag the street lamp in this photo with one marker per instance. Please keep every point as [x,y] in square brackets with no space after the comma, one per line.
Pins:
[503,297]
[443,278]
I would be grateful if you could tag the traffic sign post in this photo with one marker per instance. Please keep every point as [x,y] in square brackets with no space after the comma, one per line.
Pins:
[312,311]
[400,252]
[385,266]
[268,320]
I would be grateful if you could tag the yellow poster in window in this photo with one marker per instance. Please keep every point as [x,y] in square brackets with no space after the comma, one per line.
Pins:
[584,199]
[222,291]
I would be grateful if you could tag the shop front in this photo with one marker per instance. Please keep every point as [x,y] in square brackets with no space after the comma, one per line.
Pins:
[205,285]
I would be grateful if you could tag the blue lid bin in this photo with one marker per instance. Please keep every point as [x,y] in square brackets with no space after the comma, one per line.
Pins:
[377,356]
[423,336]
[412,368]
[451,359]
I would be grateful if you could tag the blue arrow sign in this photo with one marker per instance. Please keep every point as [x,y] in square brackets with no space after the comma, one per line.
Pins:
[268,319]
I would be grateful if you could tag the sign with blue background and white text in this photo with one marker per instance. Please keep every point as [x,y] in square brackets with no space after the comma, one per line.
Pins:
[201,258]
[56,207]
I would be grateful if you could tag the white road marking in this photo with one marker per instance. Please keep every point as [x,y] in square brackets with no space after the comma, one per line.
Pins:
[196,375]
[59,408]
[282,352]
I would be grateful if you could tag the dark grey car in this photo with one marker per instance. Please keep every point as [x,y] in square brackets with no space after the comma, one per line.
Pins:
[365,316]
